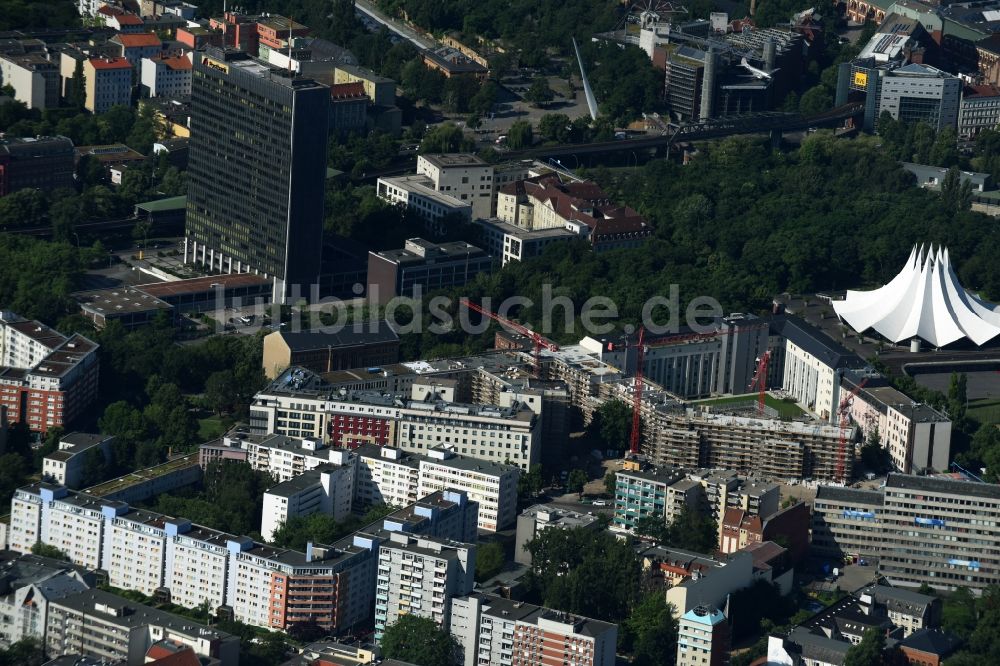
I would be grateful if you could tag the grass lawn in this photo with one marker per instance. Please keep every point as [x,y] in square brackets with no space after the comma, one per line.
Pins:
[787,410]
[986,410]
[210,427]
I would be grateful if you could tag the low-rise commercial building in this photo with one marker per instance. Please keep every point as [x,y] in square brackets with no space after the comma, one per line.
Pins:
[462,175]
[66,464]
[364,345]
[41,163]
[497,631]
[380,90]
[130,307]
[536,519]
[421,267]
[507,242]
[416,193]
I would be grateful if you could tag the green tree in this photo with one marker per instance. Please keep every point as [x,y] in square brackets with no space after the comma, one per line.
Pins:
[652,527]
[519,135]
[51,552]
[868,652]
[611,426]
[23,208]
[584,572]
[445,138]
[530,484]
[958,613]
[539,93]
[956,192]
[490,560]
[576,480]
[13,473]
[816,100]
[610,482]
[650,632]
[25,652]
[692,530]
[77,94]
[555,127]
[220,391]
[482,102]
[419,640]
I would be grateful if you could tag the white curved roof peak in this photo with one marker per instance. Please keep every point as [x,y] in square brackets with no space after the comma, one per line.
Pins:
[925,300]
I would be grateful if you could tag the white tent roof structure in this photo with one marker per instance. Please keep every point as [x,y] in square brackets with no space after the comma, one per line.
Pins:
[924,301]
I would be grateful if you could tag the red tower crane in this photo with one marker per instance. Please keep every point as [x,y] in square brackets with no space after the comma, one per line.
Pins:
[844,411]
[537,339]
[759,380]
[637,393]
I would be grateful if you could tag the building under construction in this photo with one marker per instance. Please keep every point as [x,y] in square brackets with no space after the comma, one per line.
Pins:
[767,446]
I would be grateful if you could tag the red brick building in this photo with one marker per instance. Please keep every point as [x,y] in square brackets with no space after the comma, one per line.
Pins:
[46,379]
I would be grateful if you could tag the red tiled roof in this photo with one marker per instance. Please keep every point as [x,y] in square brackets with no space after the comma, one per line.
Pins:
[128,19]
[110,63]
[584,202]
[142,39]
[348,90]
[176,62]
[165,657]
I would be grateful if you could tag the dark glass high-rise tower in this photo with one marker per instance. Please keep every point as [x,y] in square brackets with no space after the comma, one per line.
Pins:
[256,170]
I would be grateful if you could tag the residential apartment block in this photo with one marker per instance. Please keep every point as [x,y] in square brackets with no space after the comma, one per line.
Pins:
[916,436]
[331,585]
[920,529]
[424,417]
[493,485]
[167,76]
[29,584]
[492,630]
[419,576]
[34,78]
[327,489]
[103,625]
[108,83]
[703,637]
[46,378]
[391,476]
[136,47]
[663,493]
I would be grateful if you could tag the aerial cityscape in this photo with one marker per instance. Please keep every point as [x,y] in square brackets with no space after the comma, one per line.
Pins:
[468,332]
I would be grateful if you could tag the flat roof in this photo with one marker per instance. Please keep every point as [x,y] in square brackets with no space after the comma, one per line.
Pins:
[203,284]
[856,495]
[943,485]
[423,186]
[170,203]
[317,339]
[131,614]
[445,160]
[119,300]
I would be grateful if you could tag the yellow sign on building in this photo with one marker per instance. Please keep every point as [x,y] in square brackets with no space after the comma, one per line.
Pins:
[861,79]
